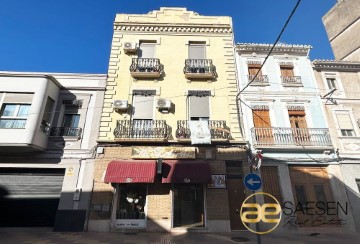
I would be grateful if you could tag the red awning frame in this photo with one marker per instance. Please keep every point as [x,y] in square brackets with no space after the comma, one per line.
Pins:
[182,171]
[130,171]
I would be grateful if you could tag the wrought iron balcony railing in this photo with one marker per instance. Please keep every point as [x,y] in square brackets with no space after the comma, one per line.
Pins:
[284,137]
[291,80]
[142,129]
[199,68]
[218,129]
[65,131]
[259,79]
[146,67]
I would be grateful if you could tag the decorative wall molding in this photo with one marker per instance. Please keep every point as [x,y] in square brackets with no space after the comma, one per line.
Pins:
[254,62]
[286,64]
[199,93]
[73,103]
[279,48]
[144,92]
[335,65]
[259,107]
[295,108]
[172,28]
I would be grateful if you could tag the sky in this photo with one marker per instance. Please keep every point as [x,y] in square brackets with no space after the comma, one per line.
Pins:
[74,36]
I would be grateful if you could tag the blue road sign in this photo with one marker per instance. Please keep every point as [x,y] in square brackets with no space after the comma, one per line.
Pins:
[252,181]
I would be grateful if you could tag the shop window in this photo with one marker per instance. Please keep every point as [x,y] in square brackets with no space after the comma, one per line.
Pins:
[131,201]
[320,193]
[14,116]
[301,195]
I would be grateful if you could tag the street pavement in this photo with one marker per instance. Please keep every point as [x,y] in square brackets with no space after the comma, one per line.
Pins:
[46,236]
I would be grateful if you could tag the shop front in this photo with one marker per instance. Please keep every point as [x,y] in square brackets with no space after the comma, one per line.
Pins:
[137,189]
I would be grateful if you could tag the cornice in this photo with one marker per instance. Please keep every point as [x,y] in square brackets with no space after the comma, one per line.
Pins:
[279,48]
[336,65]
[173,28]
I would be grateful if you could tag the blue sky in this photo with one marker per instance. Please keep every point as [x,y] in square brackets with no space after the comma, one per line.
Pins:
[75,35]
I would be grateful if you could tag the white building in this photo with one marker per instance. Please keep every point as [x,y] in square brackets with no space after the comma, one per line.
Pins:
[47,143]
[285,124]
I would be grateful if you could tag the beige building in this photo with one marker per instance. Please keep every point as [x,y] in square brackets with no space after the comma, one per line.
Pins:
[342,24]
[339,84]
[171,153]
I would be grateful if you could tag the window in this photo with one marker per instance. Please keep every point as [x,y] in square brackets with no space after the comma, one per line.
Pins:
[143,113]
[331,83]
[263,131]
[71,120]
[146,50]
[199,106]
[132,201]
[301,195]
[358,184]
[45,123]
[70,125]
[320,193]
[197,50]
[345,124]
[287,71]
[253,69]
[14,116]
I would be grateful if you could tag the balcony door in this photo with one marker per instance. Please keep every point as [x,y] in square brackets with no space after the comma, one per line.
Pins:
[70,125]
[197,56]
[262,124]
[299,127]
[143,114]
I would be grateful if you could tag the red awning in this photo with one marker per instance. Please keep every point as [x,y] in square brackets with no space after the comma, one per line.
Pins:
[131,171]
[179,171]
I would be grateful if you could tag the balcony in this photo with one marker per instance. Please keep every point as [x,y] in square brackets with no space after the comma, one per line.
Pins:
[142,129]
[74,132]
[291,81]
[261,80]
[218,130]
[146,68]
[199,69]
[290,137]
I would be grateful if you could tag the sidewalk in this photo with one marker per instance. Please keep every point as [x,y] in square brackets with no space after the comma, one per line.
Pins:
[45,235]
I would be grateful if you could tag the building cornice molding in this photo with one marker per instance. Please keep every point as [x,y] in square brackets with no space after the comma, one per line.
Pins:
[279,48]
[171,28]
[336,65]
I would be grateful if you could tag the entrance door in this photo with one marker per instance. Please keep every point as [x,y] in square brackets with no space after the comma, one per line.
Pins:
[236,193]
[311,189]
[188,205]
[29,197]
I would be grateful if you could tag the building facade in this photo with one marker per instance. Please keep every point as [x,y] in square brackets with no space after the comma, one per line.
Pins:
[170,151]
[342,24]
[47,142]
[339,84]
[286,127]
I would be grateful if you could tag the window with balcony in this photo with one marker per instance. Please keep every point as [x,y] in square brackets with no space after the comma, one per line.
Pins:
[146,65]
[253,68]
[287,75]
[197,66]
[14,116]
[345,124]
[262,126]
[300,132]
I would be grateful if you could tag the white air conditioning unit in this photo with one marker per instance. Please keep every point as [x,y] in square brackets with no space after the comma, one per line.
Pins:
[163,104]
[130,47]
[120,104]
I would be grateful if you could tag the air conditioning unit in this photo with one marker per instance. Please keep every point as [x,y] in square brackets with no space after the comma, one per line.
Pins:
[163,104]
[130,47]
[120,104]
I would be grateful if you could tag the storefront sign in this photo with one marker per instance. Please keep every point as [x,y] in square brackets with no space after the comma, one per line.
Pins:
[163,152]
[131,223]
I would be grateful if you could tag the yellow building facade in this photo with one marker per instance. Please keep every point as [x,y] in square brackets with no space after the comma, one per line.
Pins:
[170,150]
